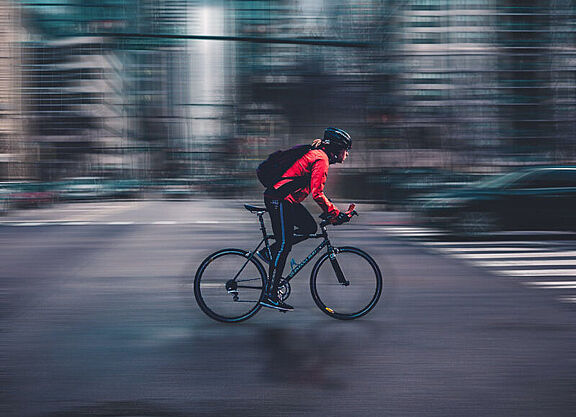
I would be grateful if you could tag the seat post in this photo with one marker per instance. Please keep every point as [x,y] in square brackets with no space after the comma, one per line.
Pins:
[262,226]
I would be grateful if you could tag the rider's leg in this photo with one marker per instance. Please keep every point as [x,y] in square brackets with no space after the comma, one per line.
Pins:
[304,223]
[281,217]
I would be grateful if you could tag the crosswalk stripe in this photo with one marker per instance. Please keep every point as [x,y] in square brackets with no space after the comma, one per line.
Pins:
[491,249]
[479,243]
[538,272]
[541,262]
[556,254]
[411,231]
[552,283]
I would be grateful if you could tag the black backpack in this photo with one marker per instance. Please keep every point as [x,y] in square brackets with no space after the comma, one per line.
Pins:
[270,171]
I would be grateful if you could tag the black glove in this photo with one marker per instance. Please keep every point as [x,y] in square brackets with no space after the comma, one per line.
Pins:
[340,218]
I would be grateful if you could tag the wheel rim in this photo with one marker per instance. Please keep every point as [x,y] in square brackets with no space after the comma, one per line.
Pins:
[223,298]
[347,301]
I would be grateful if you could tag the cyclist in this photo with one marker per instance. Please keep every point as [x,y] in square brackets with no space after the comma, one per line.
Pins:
[287,214]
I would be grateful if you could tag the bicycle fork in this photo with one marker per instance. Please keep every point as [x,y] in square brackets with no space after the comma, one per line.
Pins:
[337,270]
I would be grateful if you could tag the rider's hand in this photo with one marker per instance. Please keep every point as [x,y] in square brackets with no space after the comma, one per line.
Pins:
[340,218]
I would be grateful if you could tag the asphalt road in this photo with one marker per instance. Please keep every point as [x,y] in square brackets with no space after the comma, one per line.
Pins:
[97,318]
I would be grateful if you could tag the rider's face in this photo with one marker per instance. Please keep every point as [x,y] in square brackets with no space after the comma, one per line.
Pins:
[342,155]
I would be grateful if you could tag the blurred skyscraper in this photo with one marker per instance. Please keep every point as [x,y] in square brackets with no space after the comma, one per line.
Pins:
[13,152]
[488,80]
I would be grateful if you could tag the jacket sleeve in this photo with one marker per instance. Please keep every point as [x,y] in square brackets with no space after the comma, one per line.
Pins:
[318,179]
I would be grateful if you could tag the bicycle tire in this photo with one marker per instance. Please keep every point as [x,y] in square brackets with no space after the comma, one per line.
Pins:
[346,302]
[212,279]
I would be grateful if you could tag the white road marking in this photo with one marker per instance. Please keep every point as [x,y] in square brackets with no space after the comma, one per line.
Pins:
[538,272]
[556,254]
[567,299]
[411,231]
[540,262]
[119,223]
[553,284]
[491,249]
[479,243]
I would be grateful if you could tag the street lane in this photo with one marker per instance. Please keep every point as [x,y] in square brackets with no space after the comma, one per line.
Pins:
[100,320]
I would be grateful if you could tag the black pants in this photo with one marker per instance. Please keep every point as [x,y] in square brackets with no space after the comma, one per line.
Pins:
[287,218]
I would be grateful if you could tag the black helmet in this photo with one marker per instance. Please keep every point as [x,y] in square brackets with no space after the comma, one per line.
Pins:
[337,138]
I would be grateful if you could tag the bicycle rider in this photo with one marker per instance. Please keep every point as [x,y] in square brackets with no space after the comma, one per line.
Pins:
[288,216]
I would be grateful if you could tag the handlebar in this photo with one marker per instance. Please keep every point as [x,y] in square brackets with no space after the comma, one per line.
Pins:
[350,213]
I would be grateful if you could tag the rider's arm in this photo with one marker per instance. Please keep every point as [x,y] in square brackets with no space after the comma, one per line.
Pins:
[319,174]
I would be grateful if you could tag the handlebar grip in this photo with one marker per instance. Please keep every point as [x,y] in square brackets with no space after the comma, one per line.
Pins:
[350,212]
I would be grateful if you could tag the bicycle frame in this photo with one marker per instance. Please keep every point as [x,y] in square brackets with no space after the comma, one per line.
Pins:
[325,243]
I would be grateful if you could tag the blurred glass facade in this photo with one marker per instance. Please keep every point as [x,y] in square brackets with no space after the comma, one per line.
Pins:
[205,89]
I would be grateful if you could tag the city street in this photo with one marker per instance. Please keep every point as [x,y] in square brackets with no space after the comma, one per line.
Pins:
[98,318]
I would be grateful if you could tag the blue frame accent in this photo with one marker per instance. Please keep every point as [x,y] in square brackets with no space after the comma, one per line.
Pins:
[302,264]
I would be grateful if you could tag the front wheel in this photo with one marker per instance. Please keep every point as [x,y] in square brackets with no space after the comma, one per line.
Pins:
[228,285]
[347,286]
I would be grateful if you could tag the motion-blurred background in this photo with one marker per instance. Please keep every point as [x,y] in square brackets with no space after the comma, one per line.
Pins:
[183,98]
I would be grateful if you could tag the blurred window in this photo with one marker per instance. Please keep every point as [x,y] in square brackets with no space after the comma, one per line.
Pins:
[561,178]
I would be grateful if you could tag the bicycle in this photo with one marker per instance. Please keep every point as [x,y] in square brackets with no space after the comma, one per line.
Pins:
[345,282]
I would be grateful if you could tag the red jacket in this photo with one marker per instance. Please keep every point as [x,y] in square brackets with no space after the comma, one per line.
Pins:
[314,164]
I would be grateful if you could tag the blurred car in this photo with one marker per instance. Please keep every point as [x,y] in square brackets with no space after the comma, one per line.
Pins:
[123,188]
[25,194]
[541,198]
[84,188]
[34,194]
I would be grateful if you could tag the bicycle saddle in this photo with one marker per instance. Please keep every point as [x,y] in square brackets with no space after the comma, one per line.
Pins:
[253,209]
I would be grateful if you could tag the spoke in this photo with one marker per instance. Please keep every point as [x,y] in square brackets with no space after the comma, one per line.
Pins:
[249,279]
[248,286]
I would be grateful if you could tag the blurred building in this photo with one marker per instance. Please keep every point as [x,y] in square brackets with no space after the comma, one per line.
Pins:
[563,78]
[448,86]
[97,104]
[14,154]
[486,81]
[74,95]
[266,73]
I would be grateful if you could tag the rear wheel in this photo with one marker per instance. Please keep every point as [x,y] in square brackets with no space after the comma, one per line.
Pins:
[228,286]
[357,295]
